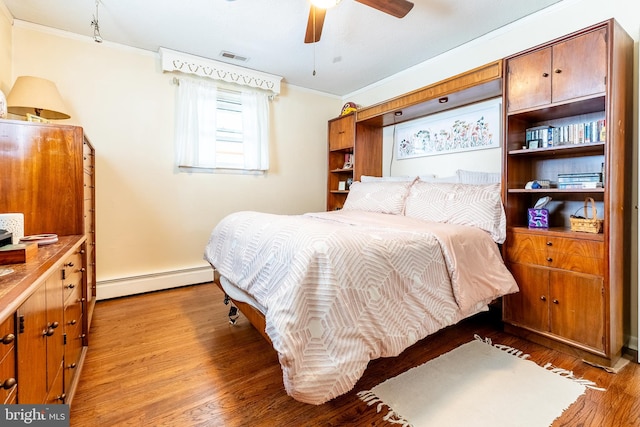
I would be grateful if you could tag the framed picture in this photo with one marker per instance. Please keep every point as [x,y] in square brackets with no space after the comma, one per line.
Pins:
[472,127]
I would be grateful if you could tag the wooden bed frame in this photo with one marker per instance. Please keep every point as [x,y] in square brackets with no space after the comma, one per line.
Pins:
[255,317]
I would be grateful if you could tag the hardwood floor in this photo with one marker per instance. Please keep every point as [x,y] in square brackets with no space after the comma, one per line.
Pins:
[171,358]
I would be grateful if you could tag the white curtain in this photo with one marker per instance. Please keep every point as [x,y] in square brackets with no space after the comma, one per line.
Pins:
[196,125]
[255,122]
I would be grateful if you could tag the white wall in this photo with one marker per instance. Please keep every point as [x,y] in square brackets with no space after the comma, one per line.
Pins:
[555,21]
[152,221]
[5,49]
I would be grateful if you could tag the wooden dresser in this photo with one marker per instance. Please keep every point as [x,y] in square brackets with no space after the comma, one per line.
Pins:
[46,303]
[572,283]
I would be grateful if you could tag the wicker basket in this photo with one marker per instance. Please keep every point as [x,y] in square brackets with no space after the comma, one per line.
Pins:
[586,224]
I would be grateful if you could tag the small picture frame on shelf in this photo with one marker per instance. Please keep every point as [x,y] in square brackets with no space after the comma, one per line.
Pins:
[342,185]
[348,161]
[533,144]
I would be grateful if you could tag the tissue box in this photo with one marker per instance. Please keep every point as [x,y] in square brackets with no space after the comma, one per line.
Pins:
[538,218]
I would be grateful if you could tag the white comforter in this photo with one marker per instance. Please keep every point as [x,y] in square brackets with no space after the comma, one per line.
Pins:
[343,288]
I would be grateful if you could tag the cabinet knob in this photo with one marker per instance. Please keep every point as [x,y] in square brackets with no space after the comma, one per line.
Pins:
[69,264]
[555,301]
[72,366]
[62,397]
[8,383]
[543,298]
[545,74]
[54,325]
[48,332]
[71,286]
[549,243]
[550,259]
[557,71]
[73,321]
[8,339]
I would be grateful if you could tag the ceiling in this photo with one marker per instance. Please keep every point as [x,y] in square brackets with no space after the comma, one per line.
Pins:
[359,45]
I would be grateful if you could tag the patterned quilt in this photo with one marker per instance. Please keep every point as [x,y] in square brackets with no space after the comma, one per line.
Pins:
[346,287]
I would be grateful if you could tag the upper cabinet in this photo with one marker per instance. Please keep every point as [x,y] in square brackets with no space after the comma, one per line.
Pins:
[568,70]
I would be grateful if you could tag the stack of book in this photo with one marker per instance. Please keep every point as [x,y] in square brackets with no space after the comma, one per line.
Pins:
[580,180]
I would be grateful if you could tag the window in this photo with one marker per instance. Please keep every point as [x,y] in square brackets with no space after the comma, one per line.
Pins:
[221,128]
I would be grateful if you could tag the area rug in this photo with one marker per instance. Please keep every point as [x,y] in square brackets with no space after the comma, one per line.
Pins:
[477,384]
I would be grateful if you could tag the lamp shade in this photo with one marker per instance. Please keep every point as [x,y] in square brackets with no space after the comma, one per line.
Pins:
[33,95]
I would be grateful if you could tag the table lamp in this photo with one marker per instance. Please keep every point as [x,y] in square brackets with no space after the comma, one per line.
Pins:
[34,95]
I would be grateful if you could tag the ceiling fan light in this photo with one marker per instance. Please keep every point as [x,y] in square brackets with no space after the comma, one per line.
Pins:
[325,4]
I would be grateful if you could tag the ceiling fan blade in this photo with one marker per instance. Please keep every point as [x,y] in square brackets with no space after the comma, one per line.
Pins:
[397,8]
[315,14]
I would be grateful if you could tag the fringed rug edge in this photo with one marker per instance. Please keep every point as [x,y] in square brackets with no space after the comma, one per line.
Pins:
[370,398]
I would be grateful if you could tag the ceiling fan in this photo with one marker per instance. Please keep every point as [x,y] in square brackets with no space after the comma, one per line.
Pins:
[397,8]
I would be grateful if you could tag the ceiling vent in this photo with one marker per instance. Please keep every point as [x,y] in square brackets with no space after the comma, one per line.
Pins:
[230,55]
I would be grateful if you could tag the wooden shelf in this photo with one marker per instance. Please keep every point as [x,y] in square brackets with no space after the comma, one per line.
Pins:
[569,149]
[556,190]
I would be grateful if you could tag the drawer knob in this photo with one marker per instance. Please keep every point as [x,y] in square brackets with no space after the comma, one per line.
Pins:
[543,298]
[9,383]
[549,243]
[545,74]
[73,322]
[71,286]
[54,325]
[62,397]
[550,259]
[70,264]
[555,301]
[8,339]
[557,71]
[72,366]
[48,332]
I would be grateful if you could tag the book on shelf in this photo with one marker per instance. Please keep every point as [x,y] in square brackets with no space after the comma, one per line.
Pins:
[575,133]
[580,177]
[579,185]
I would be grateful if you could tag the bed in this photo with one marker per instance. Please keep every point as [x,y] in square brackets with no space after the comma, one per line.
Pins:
[332,291]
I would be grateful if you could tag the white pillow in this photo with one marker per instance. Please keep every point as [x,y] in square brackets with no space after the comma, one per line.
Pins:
[378,196]
[464,204]
[476,177]
[367,178]
[433,178]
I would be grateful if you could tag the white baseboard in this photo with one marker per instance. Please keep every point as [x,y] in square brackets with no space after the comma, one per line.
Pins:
[125,286]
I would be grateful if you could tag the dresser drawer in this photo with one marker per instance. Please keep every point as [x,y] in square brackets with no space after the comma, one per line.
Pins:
[579,255]
[73,271]
[72,353]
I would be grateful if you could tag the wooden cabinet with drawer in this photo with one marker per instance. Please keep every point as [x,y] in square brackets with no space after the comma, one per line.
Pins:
[561,288]
[564,121]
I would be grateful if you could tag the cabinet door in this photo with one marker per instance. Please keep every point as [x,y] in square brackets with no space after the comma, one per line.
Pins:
[529,80]
[580,66]
[529,307]
[577,307]
[342,132]
[55,335]
[41,343]
[32,348]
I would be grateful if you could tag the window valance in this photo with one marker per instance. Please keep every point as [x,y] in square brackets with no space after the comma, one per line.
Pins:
[204,67]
